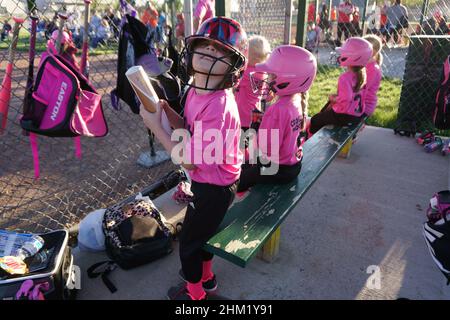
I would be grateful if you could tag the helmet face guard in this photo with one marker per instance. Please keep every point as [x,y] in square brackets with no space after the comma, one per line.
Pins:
[334,58]
[263,84]
[231,76]
[230,38]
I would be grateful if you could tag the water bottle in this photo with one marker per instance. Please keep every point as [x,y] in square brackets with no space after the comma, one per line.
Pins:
[434,145]
[32,248]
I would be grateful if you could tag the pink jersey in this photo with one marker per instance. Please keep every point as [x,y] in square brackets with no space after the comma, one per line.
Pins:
[245,98]
[215,153]
[286,116]
[373,71]
[204,10]
[348,101]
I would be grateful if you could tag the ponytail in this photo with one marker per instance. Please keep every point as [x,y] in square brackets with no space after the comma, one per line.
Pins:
[360,77]
[304,103]
[379,58]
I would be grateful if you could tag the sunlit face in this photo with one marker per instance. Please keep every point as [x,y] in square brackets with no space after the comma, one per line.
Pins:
[210,57]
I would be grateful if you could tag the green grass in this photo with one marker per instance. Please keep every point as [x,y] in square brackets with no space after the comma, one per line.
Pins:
[23,45]
[325,84]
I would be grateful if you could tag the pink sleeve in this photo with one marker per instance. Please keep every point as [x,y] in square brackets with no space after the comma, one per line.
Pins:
[344,95]
[270,121]
[371,95]
[200,10]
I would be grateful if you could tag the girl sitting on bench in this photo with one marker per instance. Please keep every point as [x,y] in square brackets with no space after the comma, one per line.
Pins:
[288,83]
[348,105]
[258,52]
[373,70]
[216,57]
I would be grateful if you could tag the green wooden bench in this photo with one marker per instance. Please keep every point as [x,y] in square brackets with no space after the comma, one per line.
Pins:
[252,225]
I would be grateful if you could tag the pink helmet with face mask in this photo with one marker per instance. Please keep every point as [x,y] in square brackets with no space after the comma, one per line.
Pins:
[290,70]
[65,36]
[356,52]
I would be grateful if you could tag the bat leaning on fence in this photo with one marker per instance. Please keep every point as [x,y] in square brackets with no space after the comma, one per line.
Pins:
[59,43]
[84,55]
[5,92]
[31,55]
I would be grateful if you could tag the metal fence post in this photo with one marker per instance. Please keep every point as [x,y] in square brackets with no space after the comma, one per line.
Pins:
[174,12]
[366,4]
[300,38]
[330,4]
[424,12]
[316,10]
[288,22]
[187,10]
[223,8]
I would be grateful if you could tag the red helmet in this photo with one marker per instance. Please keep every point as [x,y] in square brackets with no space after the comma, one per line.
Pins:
[229,34]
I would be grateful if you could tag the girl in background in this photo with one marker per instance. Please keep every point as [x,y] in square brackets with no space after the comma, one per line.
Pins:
[258,52]
[348,105]
[373,71]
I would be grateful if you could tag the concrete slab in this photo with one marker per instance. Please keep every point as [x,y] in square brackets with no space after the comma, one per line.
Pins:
[363,214]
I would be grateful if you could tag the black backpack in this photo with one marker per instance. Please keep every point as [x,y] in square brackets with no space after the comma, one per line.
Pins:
[441,117]
[134,42]
[136,232]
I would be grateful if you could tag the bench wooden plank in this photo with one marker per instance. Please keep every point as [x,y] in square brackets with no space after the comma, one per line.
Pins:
[251,221]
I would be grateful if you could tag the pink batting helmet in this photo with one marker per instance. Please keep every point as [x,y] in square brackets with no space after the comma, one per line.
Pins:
[356,52]
[293,70]
[65,38]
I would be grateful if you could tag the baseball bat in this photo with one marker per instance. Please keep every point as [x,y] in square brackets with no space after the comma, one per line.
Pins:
[62,19]
[5,93]
[84,55]
[31,55]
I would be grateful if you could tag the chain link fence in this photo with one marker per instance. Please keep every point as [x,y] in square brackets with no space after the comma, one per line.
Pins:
[69,188]
[328,26]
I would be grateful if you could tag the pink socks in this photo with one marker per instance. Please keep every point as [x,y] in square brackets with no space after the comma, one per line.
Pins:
[207,273]
[196,291]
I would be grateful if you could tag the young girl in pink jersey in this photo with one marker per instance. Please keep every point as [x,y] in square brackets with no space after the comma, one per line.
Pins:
[216,57]
[288,82]
[347,106]
[247,101]
[374,75]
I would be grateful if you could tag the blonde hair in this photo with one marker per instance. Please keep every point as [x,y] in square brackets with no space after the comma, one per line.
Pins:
[377,44]
[302,98]
[258,49]
[360,76]
[304,102]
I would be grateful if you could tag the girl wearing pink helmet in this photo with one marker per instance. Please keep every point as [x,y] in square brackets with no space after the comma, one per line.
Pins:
[348,105]
[281,133]
[68,47]
[215,57]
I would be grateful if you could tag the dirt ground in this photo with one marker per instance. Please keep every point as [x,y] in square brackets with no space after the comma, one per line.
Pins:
[68,187]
